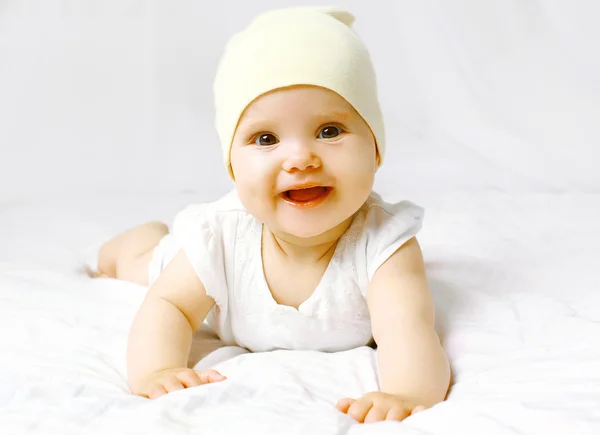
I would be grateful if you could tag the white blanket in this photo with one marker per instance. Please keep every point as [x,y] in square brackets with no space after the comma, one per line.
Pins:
[491,112]
[516,287]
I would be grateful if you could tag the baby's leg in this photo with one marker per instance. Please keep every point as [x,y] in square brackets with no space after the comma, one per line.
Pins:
[126,256]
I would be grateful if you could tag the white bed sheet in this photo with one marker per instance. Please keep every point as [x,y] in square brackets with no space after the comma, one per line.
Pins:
[515,279]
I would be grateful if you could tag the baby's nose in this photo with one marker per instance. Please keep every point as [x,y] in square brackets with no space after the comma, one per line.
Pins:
[301,157]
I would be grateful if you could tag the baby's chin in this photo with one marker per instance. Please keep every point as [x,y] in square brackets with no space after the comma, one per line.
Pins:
[303,232]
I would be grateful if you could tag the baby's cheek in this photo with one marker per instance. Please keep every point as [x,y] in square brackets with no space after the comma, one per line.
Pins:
[256,196]
[357,174]
[356,156]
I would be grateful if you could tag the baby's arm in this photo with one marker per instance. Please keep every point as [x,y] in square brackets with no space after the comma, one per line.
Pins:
[161,335]
[414,369]
[412,362]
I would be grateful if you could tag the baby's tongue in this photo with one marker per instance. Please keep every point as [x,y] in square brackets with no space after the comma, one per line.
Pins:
[304,195]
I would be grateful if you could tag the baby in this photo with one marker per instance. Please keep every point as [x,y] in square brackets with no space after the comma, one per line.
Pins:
[302,254]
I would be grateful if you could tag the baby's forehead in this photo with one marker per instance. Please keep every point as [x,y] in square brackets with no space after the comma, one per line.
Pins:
[306,101]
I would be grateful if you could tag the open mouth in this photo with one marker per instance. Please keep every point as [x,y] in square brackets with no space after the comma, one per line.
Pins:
[309,197]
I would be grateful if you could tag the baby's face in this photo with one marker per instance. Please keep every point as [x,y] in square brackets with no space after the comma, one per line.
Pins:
[304,160]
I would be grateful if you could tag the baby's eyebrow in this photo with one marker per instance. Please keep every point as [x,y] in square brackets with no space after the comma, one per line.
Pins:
[252,123]
[334,114]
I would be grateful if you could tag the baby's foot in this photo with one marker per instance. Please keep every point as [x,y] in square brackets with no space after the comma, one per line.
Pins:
[107,258]
[92,273]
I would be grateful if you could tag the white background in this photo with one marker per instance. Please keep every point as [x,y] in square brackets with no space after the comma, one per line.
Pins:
[116,95]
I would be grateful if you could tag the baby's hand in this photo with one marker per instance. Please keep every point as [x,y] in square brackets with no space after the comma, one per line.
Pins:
[160,383]
[377,406]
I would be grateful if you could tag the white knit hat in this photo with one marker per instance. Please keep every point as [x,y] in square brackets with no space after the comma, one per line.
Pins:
[295,46]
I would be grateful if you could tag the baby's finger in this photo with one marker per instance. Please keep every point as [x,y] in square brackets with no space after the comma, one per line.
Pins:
[173,385]
[210,376]
[141,394]
[189,378]
[359,409]
[375,414]
[156,391]
[397,413]
[417,409]
[344,404]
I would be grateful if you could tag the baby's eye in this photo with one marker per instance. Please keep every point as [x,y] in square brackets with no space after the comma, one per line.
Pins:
[266,139]
[330,132]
